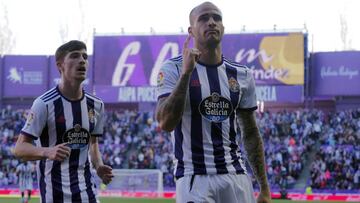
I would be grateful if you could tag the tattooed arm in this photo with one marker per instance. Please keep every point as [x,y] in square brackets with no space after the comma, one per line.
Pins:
[170,109]
[254,148]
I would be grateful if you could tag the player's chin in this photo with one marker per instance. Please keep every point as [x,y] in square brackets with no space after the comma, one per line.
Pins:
[213,41]
[80,78]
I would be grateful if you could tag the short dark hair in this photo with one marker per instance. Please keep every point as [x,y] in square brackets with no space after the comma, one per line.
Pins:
[68,47]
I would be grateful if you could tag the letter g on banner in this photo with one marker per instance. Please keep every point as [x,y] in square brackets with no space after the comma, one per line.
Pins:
[125,68]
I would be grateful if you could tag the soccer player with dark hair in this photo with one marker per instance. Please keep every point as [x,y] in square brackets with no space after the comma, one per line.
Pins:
[201,97]
[65,123]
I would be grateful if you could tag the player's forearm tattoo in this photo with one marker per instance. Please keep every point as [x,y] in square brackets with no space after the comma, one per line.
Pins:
[170,109]
[254,147]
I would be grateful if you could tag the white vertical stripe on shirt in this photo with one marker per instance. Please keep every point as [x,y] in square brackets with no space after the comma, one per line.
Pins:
[83,156]
[206,125]
[225,92]
[186,129]
[65,175]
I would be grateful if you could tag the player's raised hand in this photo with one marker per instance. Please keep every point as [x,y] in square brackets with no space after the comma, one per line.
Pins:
[59,152]
[190,56]
[105,173]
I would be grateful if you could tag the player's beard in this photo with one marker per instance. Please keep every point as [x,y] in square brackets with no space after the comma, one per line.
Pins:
[213,42]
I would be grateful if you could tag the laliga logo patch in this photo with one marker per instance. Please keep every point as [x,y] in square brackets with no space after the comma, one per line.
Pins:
[30,118]
[77,137]
[234,85]
[160,79]
[215,108]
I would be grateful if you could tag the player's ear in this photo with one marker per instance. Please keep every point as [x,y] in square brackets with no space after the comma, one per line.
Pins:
[190,31]
[58,65]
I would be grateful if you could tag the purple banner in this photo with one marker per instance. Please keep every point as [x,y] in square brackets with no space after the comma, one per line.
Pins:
[55,74]
[336,73]
[275,58]
[272,93]
[1,81]
[24,76]
[111,94]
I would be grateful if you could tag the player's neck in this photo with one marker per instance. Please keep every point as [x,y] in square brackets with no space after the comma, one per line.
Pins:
[211,56]
[72,91]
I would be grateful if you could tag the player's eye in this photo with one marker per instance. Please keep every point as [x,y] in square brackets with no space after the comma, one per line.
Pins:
[203,18]
[217,18]
[74,55]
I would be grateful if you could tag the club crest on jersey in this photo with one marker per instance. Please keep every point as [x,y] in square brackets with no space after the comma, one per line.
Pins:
[77,137]
[215,108]
[91,114]
[160,79]
[234,85]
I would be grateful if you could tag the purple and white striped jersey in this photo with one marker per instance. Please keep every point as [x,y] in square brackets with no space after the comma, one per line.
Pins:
[55,120]
[205,138]
[24,171]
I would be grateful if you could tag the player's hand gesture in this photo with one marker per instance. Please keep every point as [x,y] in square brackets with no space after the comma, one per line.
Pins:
[105,173]
[59,152]
[190,56]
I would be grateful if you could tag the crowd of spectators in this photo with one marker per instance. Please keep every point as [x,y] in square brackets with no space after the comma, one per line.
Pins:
[11,122]
[133,140]
[288,138]
[337,163]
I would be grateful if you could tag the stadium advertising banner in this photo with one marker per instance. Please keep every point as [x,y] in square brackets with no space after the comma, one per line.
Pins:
[336,73]
[24,76]
[270,93]
[277,59]
[55,75]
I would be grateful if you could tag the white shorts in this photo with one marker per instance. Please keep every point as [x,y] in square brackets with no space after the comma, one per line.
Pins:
[25,185]
[219,188]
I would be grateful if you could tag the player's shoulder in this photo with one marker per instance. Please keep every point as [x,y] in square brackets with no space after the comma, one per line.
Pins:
[92,97]
[172,66]
[234,64]
[174,61]
[48,96]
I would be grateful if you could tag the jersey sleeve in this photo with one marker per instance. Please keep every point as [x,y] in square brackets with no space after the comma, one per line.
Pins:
[36,119]
[100,118]
[167,78]
[248,98]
